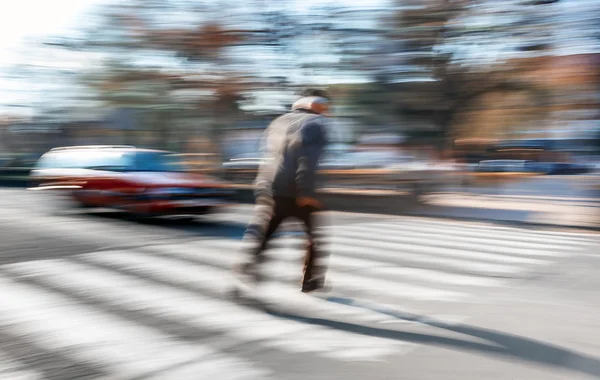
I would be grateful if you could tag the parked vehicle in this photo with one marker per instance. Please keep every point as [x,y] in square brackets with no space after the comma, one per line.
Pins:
[505,166]
[533,167]
[143,182]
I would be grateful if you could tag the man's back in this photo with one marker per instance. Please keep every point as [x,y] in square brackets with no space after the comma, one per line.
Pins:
[293,145]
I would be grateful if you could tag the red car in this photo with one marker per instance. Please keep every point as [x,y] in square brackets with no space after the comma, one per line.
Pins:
[144,182]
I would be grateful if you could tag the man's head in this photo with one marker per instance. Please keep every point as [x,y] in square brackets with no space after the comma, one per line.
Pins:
[313,100]
[315,92]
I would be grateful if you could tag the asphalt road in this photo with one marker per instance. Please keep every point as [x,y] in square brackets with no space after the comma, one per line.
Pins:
[98,296]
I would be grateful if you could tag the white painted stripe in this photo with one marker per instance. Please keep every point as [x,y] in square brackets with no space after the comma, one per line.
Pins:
[341,281]
[423,256]
[374,268]
[239,215]
[124,349]
[565,235]
[483,235]
[366,234]
[341,243]
[461,229]
[429,275]
[487,228]
[483,244]
[394,257]
[11,369]
[207,254]
[241,323]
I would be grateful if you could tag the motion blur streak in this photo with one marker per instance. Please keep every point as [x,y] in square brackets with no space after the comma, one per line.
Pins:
[461,183]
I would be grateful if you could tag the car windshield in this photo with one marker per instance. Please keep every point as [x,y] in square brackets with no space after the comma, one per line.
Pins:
[158,162]
[77,159]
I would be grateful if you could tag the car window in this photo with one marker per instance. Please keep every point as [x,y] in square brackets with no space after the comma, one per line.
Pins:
[98,160]
[158,162]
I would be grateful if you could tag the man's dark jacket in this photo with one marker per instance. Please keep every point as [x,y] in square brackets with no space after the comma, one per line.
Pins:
[292,147]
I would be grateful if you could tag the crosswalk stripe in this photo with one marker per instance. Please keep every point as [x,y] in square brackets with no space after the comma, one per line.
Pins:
[484,233]
[341,243]
[440,239]
[338,240]
[516,238]
[204,252]
[486,229]
[455,228]
[395,257]
[516,247]
[340,280]
[421,256]
[238,322]
[13,370]
[204,278]
[125,349]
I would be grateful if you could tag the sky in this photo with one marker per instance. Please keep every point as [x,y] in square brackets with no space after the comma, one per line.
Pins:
[34,20]
[23,20]
[27,20]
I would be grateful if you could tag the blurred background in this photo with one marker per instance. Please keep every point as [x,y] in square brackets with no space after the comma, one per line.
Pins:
[429,96]
[464,151]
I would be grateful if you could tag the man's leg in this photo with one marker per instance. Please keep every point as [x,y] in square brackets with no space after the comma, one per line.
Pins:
[268,215]
[315,262]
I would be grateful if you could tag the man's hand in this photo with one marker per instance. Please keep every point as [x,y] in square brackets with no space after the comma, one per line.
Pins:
[310,202]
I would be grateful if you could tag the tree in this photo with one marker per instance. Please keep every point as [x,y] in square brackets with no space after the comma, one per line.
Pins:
[204,43]
[432,66]
[410,81]
[148,64]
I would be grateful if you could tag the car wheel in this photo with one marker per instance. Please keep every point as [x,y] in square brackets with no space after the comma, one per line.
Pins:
[142,218]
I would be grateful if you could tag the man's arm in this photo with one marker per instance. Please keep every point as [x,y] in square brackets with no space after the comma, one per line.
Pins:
[262,186]
[313,142]
[263,145]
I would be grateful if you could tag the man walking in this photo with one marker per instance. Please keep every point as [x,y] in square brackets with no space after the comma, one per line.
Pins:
[285,186]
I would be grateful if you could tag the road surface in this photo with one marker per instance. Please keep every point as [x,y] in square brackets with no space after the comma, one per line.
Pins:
[96,296]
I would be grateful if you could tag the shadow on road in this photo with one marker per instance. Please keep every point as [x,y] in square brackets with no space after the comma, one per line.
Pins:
[201,226]
[49,363]
[499,343]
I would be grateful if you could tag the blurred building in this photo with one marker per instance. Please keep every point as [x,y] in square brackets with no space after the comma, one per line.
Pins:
[547,84]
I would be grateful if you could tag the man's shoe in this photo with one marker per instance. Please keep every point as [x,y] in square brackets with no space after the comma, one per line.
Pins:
[313,285]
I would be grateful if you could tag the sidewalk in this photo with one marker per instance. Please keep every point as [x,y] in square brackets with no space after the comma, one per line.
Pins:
[562,213]
[549,201]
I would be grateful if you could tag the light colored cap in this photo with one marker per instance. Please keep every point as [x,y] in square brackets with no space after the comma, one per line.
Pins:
[315,104]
